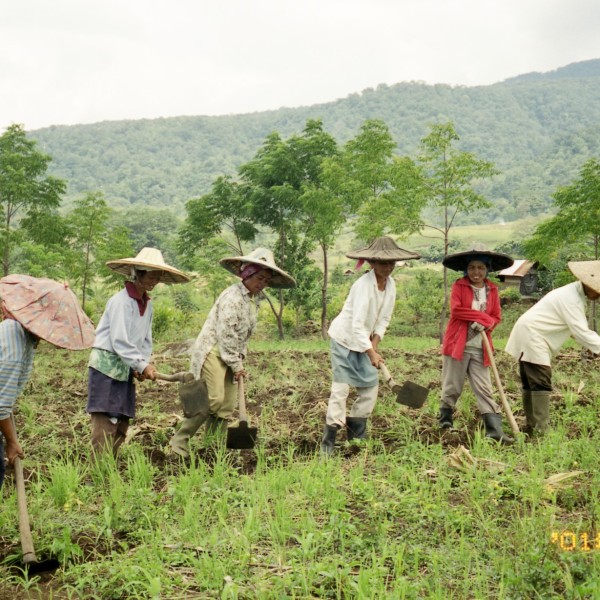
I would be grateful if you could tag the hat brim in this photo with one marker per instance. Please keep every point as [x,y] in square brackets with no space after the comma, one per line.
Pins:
[460,260]
[391,254]
[280,279]
[588,272]
[170,274]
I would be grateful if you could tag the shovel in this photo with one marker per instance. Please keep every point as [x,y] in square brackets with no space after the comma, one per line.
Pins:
[30,561]
[409,393]
[505,405]
[193,394]
[241,437]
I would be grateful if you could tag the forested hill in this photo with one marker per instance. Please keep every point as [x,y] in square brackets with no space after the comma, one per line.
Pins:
[537,128]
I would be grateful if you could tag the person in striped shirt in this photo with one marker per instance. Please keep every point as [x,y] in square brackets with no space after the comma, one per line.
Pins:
[17,347]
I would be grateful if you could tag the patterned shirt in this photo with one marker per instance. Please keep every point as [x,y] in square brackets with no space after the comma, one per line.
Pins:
[228,326]
[16,363]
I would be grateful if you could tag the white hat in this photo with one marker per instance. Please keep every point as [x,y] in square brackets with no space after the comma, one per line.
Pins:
[264,258]
[588,272]
[149,259]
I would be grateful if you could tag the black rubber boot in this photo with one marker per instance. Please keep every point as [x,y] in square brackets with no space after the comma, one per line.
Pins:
[445,419]
[493,428]
[328,441]
[356,428]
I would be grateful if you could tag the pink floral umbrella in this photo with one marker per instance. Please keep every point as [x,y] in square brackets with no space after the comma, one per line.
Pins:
[48,309]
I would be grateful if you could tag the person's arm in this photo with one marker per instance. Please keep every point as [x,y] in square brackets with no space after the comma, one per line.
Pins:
[232,330]
[13,448]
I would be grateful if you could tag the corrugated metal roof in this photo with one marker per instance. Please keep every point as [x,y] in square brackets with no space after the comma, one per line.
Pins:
[518,268]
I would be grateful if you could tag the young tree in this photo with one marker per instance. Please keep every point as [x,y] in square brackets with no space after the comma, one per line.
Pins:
[24,185]
[88,225]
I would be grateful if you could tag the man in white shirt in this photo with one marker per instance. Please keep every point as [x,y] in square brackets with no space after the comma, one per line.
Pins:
[541,331]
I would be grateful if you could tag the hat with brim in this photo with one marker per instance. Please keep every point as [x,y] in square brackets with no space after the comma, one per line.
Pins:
[588,272]
[495,261]
[149,259]
[382,248]
[47,309]
[264,258]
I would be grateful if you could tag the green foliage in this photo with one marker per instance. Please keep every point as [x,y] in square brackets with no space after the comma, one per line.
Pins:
[24,186]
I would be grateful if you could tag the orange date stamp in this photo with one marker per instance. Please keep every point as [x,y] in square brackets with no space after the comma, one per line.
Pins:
[570,541]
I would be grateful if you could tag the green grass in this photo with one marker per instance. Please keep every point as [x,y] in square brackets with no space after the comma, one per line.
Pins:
[389,519]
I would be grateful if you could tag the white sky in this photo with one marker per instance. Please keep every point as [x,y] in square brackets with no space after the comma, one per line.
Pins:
[83,61]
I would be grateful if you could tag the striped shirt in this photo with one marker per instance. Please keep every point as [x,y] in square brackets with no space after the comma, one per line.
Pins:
[16,363]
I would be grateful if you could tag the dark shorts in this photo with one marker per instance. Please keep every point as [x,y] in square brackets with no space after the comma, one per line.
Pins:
[536,378]
[107,395]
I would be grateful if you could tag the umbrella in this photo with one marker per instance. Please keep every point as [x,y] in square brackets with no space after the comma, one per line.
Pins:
[47,309]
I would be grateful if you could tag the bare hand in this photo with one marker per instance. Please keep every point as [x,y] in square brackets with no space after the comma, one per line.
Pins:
[149,373]
[238,374]
[477,326]
[13,449]
[374,357]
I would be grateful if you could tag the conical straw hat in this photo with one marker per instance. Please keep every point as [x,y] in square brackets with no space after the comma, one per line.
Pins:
[48,309]
[382,248]
[264,258]
[588,272]
[459,261]
[149,259]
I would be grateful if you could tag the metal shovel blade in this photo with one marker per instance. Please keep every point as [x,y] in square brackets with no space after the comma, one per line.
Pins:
[242,437]
[410,394]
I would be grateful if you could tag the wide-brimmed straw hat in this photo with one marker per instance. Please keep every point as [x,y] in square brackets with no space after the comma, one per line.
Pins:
[47,309]
[382,248]
[149,259]
[588,272]
[495,261]
[264,258]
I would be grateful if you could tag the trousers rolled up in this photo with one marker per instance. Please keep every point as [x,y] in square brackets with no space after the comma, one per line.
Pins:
[454,373]
[361,408]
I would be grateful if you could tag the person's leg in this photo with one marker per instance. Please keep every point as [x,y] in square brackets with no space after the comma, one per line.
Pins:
[336,416]
[104,429]
[539,378]
[360,412]
[453,380]
[2,465]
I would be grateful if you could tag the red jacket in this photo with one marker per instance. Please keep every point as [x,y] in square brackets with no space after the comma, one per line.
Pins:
[462,315]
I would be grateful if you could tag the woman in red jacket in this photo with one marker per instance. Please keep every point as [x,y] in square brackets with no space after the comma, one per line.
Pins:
[474,311]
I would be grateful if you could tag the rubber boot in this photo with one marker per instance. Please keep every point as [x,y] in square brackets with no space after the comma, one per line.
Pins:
[528,409]
[356,428]
[445,419]
[189,426]
[493,428]
[328,441]
[216,429]
[540,405]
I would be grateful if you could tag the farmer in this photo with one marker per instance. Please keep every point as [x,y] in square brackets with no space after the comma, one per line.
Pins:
[32,309]
[474,312]
[221,345]
[123,347]
[539,333]
[355,335]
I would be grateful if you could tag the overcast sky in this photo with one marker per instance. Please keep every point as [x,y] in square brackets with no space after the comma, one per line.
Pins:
[83,61]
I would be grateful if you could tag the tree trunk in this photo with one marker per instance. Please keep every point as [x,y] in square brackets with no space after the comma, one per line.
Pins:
[324,293]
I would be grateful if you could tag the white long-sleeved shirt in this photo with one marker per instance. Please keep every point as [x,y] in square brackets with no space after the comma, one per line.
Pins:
[539,333]
[16,363]
[125,332]
[366,312]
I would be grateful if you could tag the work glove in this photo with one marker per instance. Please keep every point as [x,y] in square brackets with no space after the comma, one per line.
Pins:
[477,326]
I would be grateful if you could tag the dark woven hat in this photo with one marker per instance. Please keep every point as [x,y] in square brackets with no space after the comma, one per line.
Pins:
[495,261]
[383,248]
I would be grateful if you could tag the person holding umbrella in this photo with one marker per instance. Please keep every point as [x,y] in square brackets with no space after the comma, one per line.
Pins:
[474,312]
[539,333]
[32,309]
[355,336]
[222,344]
[123,347]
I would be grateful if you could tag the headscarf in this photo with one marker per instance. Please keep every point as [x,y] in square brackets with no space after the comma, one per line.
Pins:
[250,269]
